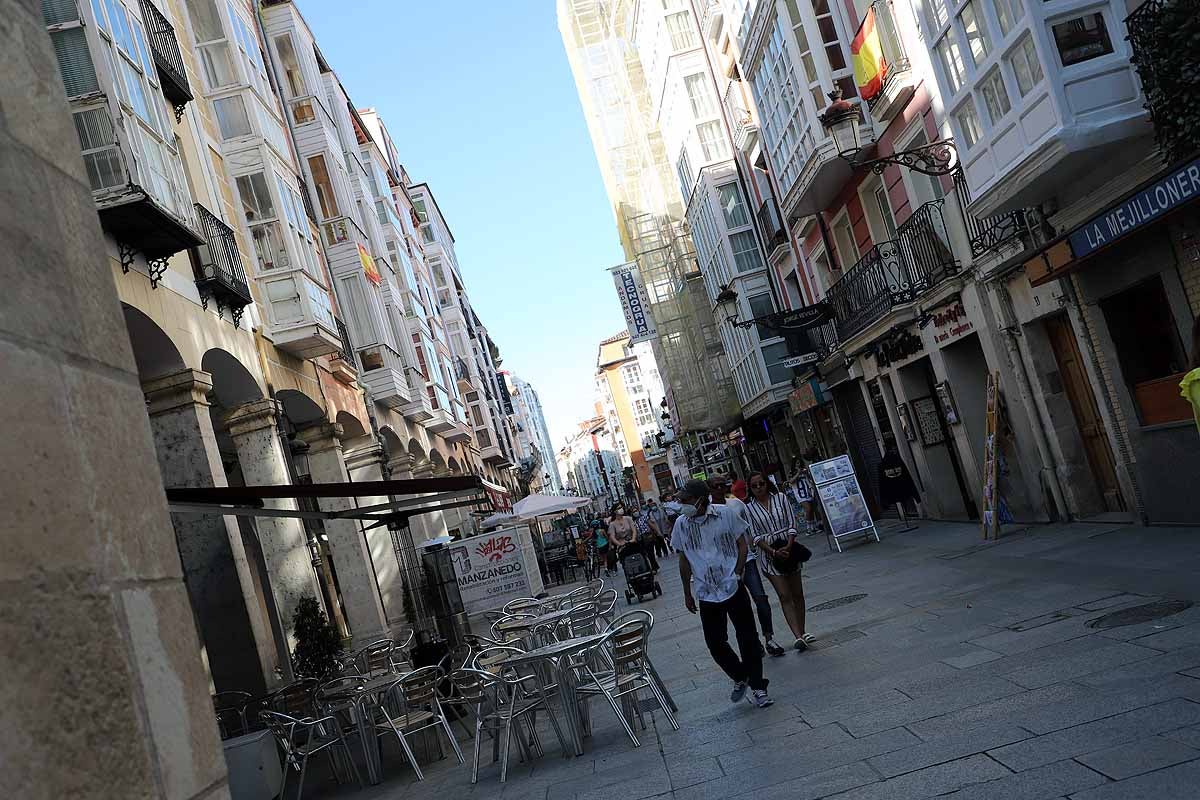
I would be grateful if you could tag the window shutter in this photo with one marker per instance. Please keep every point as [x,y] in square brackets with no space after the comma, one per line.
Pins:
[74,61]
[56,12]
[101,155]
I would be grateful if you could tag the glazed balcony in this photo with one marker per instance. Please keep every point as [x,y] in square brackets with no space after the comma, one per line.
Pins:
[299,314]
[419,408]
[462,373]
[220,275]
[893,273]
[442,419]
[384,376]
[745,129]
[167,58]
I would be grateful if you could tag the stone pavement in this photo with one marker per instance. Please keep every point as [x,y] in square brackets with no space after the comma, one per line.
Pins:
[944,667]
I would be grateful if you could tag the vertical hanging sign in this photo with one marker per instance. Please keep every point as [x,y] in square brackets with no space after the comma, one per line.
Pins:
[634,303]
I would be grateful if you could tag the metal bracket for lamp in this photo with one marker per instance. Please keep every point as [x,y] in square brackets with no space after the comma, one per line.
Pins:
[842,118]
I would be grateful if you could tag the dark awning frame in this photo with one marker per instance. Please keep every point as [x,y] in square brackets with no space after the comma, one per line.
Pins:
[419,496]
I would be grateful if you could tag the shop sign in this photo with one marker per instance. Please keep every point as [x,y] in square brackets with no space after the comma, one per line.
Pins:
[493,568]
[898,346]
[806,317]
[805,396]
[799,361]
[1146,206]
[950,322]
[635,303]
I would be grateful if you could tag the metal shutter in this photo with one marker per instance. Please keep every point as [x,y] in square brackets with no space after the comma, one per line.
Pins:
[74,61]
[56,12]
[864,450]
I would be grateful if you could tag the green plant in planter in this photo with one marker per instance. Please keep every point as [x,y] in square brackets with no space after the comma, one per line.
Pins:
[317,642]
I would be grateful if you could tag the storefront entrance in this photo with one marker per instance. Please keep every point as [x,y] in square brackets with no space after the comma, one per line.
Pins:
[1087,414]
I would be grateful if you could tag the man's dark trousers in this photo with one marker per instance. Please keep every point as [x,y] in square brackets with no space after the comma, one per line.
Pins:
[714,617]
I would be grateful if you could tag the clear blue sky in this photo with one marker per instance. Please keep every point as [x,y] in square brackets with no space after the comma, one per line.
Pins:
[481,103]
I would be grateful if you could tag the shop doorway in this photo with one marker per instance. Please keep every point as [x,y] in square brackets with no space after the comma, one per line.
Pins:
[863,448]
[944,470]
[1083,405]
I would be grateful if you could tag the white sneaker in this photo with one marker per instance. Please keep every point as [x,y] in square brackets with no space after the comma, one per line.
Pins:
[739,691]
[760,698]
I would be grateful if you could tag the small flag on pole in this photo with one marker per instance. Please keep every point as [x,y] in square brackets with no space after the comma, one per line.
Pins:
[870,67]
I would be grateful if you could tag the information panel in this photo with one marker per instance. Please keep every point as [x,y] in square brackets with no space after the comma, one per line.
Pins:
[842,500]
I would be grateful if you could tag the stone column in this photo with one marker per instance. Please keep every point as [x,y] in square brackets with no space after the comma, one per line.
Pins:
[283,539]
[105,691]
[430,525]
[230,610]
[366,464]
[351,556]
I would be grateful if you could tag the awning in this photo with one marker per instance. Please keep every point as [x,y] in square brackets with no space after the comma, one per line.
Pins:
[410,498]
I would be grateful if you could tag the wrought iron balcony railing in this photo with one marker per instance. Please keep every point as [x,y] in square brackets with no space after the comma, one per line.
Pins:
[346,354]
[894,272]
[220,275]
[991,233]
[167,57]
[771,225]
[891,44]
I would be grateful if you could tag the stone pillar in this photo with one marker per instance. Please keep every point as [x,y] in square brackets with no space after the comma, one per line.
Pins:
[227,601]
[105,691]
[366,464]
[431,525]
[351,555]
[283,539]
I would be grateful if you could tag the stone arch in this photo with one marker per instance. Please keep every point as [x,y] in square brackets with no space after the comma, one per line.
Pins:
[153,351]
[438,460]
[417,451]
[352,427]
[455,468]
[300,409]
[233,384]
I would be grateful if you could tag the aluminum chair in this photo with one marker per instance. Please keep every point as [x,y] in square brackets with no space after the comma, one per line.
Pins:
[503,701]
[420,709]
[595,586]
[460,656]
[530,604]
[581,595]
[376,658]
[626,645]
[301,739]
[295,699]
[606,602]
[230,708]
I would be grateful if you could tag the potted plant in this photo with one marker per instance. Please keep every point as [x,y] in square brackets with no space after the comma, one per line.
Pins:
[317,642]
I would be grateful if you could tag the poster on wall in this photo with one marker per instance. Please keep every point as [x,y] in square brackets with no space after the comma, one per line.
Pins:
[842,500]
[496,567]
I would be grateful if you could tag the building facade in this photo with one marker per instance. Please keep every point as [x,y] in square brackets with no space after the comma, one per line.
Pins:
[533,443]
[271,264]
[590,465]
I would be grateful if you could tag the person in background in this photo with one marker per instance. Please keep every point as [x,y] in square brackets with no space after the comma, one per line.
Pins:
[711,540]
[646,534]
[719,487]
[774,530]
[661,524]
[1190,385]
[621,533]
[739,490]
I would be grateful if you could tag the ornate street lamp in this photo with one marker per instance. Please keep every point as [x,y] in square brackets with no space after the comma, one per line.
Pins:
[842,118]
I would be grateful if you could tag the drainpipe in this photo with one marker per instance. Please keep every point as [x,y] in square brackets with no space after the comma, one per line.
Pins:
[1008,327]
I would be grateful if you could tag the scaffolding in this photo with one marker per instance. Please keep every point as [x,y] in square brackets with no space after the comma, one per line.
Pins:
[648,210]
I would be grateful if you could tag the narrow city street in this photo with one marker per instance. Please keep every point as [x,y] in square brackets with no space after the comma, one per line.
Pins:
[944,667]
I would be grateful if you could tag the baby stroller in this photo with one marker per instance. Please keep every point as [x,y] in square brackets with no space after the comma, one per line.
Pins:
[639,578]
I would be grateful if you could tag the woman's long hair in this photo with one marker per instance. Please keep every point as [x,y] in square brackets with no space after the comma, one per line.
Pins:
[771,488]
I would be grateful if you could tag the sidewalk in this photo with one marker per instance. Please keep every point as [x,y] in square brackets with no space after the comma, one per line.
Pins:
[944,667]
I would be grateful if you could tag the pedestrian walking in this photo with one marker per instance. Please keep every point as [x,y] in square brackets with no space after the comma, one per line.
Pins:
[662,525]
[719,489]
[644,534]
[781,557]
[712,557]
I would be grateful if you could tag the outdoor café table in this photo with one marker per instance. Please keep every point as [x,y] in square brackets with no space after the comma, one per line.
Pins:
[558,655]
[362,704]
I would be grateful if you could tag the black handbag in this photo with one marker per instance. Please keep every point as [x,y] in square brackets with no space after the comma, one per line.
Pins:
[798,555]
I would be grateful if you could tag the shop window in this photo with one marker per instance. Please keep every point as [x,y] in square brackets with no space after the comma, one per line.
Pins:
[761,306]
[1149,351]
[1082,38]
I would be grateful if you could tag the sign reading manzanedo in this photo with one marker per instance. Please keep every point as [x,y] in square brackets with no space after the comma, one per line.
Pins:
[634,302]
[490,569]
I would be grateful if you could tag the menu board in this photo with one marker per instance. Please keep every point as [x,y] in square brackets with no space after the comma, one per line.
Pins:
[495,567]
[842,500]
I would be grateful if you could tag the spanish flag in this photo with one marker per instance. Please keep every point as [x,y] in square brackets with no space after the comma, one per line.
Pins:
[870,67]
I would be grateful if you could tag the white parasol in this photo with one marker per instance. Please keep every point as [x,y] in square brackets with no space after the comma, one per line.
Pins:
[541,505]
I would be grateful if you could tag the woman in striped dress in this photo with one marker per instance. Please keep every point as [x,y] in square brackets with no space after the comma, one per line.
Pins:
[773,526]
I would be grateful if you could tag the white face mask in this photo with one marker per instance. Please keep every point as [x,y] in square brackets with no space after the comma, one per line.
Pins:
[688,510]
